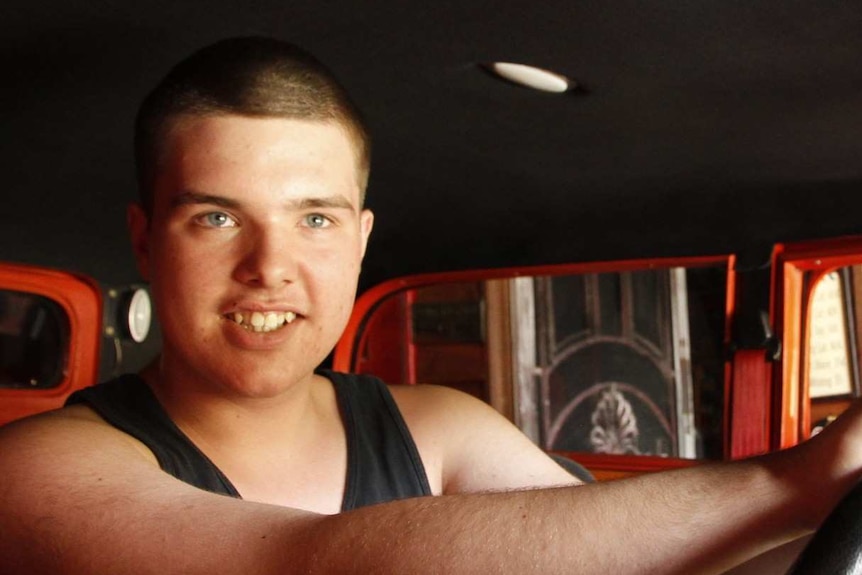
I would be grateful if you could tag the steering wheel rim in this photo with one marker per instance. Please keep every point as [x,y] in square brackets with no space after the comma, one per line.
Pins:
[836,547]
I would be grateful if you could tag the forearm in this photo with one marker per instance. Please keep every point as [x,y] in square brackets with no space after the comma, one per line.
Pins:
[92,506]
[700,520]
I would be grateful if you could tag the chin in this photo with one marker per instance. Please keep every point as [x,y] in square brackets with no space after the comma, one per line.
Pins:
[265,381]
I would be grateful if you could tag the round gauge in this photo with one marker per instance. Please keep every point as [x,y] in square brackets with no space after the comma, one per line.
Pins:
[140,315]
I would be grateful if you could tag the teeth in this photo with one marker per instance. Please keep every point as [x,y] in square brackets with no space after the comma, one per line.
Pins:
[263,321]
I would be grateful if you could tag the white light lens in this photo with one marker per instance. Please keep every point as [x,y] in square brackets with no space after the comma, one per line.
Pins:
[531,77]
[140,315]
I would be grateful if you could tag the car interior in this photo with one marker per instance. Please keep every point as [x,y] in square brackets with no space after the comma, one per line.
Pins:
[632,228]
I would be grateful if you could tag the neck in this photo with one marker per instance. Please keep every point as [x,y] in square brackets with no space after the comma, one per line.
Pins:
[287,448]
[237,416]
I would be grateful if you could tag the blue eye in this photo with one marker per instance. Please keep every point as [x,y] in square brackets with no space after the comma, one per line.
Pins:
[317,221]
[217,220]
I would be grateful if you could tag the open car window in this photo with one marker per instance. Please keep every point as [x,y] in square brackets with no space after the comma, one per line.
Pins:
[34,341]
[819,290]
[832,362]
[50,328]
[624,358]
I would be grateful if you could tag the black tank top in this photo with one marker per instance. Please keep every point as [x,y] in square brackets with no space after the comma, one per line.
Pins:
[383,463]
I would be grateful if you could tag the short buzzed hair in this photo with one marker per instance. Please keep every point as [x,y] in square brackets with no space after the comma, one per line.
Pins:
[252,76]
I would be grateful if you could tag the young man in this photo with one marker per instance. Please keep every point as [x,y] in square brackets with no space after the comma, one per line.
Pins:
[252,164]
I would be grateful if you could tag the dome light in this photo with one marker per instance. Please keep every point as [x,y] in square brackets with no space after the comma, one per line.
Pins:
[532,77]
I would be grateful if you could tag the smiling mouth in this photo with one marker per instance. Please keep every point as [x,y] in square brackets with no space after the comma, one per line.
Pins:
[261,322]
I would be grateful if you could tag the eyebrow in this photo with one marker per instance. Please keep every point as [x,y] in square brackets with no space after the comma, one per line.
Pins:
[323,202]
[194,198]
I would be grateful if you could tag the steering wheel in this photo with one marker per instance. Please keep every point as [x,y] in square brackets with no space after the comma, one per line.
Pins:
[836,548]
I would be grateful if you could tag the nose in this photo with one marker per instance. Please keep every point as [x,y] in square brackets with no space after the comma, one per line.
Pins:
[267,259]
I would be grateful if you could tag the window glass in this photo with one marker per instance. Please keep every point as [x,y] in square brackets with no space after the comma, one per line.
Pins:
[34,341]
[831,358]
[833,351]
[621,362]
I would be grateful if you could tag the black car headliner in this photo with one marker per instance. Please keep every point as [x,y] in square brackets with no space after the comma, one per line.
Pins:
[702,127]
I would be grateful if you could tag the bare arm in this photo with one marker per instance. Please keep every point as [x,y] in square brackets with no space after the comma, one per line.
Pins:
[78,498]
[468,447]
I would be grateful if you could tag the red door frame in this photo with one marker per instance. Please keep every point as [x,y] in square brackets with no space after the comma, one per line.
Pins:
[790,297]
[81,298]
[738,423]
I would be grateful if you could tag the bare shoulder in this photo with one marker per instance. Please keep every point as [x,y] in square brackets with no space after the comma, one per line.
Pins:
[61,451]
[467,446]
[57,468]
[79,496]
[77,430]
[435,403]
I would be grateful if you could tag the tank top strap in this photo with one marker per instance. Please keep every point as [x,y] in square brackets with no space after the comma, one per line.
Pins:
[383,463]
[128,404]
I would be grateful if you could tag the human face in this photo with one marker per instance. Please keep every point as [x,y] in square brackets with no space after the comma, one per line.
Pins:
[253,220]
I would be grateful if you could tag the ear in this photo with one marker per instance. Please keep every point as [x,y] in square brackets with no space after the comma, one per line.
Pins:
[366,222]
[139,230]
